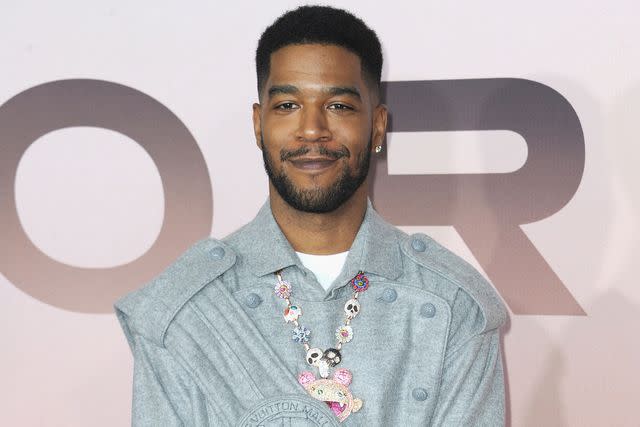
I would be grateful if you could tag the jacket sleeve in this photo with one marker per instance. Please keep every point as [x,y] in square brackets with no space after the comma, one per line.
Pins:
[472,388]
[164,394]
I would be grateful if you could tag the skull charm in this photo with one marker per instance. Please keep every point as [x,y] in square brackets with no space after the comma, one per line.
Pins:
[313,356]
[332,356]
[316,357]
[352,308]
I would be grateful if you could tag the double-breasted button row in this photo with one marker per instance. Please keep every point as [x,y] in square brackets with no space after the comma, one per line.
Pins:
[389,295]
[252,300]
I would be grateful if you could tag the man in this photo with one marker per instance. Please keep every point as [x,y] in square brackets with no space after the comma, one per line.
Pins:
[318,311]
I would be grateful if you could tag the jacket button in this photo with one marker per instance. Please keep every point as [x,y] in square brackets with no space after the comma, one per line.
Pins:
[419,394]
[428,310]
[389,295]
[217,253]
[253,300]
[418,245]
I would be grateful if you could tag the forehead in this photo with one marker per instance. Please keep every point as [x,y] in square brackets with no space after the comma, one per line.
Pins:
[310,65]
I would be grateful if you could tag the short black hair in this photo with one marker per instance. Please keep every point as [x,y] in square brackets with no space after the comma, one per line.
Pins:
[322,25]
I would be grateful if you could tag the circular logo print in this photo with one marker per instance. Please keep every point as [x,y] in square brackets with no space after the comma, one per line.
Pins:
[292,410]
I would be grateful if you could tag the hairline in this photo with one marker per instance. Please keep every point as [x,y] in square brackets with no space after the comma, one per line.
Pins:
[371,82]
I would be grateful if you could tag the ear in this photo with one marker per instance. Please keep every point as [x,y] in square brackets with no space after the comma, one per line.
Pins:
[343,376]
[305,378]
[257,127]
[379,130]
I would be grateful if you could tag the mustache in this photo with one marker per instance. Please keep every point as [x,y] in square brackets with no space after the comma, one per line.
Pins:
[321,150]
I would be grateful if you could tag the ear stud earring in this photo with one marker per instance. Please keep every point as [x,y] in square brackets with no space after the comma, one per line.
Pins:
[378,148]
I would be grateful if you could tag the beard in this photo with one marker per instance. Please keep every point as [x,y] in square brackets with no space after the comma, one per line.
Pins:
[318,200]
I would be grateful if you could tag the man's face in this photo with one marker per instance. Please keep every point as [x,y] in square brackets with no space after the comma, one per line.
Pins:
[316,125]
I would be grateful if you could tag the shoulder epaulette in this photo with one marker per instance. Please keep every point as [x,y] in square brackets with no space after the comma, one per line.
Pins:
[431,255]
[149,311]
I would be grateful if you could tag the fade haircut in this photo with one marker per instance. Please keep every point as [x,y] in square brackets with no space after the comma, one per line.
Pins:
[322,25]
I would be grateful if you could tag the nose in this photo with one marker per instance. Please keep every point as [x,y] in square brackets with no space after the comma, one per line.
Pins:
[313,126]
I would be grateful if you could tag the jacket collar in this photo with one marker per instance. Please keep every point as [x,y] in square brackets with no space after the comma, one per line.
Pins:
[376,248]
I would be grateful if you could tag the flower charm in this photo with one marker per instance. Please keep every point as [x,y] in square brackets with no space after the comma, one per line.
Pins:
[344,333]
[283,289]
[292,313]
[360,283]
[301,334]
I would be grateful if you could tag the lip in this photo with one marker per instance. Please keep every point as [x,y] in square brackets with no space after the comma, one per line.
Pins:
[312,164]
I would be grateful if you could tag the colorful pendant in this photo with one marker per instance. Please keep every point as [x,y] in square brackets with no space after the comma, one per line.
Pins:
[334,392]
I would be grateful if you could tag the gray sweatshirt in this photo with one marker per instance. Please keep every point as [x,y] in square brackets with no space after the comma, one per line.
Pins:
[211,346]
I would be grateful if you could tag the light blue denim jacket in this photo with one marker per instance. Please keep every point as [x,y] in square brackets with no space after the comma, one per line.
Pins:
[211,347]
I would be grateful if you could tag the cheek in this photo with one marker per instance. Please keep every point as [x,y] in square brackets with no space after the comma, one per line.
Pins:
[271,144]
[273,156]
[355,134]
[355,127]
[279,127]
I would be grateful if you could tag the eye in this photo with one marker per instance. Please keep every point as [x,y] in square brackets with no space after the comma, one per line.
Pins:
[340,107]
[286,106]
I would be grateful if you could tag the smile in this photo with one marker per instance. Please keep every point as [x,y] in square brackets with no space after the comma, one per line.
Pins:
[312,163]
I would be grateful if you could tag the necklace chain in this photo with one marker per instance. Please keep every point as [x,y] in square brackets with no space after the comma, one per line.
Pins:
[335,391]
[323,360]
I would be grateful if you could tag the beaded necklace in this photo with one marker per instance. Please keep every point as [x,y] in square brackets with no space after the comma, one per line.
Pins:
[334,392]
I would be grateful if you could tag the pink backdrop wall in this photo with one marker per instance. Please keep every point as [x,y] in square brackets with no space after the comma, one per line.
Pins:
[125,135]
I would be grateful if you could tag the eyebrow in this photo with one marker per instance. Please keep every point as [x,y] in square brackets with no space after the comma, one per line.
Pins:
[282,90]
[344,90]
[333,90]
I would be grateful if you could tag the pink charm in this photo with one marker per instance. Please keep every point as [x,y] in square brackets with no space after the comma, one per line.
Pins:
[333,392]
[282,289]
[343,376]
[344,334]
[306,377]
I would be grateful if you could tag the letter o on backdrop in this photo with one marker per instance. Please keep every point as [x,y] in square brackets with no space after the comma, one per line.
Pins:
[185,180]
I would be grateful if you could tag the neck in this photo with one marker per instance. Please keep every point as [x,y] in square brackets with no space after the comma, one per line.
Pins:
[324,233]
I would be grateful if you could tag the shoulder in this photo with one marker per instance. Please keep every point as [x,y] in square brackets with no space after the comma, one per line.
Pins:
[456,275]
[149,310]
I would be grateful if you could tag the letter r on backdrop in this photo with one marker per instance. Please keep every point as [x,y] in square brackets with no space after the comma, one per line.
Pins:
[487,209]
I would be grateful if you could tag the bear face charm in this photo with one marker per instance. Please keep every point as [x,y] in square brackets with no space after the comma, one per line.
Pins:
[334,392]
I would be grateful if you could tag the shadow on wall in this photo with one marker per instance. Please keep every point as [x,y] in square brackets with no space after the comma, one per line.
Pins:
[594,366]
[599,376]
[623,157]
